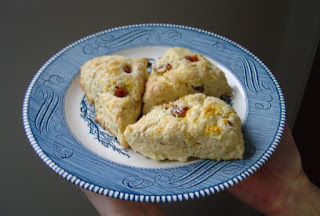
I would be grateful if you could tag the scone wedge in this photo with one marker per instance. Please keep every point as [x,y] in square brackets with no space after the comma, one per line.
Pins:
[181,72]
[115,84]
[194,126]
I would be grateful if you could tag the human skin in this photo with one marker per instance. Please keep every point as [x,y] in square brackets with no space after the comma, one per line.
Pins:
[107,206]
[280,187]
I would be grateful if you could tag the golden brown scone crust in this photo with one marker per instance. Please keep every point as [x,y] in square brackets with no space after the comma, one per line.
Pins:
[99,78]
[181,72]
[209,128]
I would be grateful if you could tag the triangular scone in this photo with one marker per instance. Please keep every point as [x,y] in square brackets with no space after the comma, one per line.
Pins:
[194,126]
[115,84]
[181,72]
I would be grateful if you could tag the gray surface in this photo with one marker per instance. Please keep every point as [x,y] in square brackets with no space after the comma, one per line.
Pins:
[282,34]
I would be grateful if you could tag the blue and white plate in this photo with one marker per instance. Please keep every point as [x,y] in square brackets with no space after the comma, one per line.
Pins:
[59,121]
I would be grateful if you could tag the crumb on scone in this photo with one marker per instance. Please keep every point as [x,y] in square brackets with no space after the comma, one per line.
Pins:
[181,72]
[194,126]
[115,84]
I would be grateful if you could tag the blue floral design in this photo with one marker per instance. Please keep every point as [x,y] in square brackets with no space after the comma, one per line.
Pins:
[88,114]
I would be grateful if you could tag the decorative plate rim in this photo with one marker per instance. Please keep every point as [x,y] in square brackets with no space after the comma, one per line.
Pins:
[153,198]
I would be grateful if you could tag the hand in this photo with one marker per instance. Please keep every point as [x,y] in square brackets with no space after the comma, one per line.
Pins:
[280,187]
[115,207]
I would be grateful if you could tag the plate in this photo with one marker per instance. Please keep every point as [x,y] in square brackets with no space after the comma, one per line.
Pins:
[59,123]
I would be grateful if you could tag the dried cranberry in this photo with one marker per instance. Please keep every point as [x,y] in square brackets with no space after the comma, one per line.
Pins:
[127,69]
[179,112]
[230,123]
[192,58]
[162,68]
[120,92]
[198,88]
[168,66]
